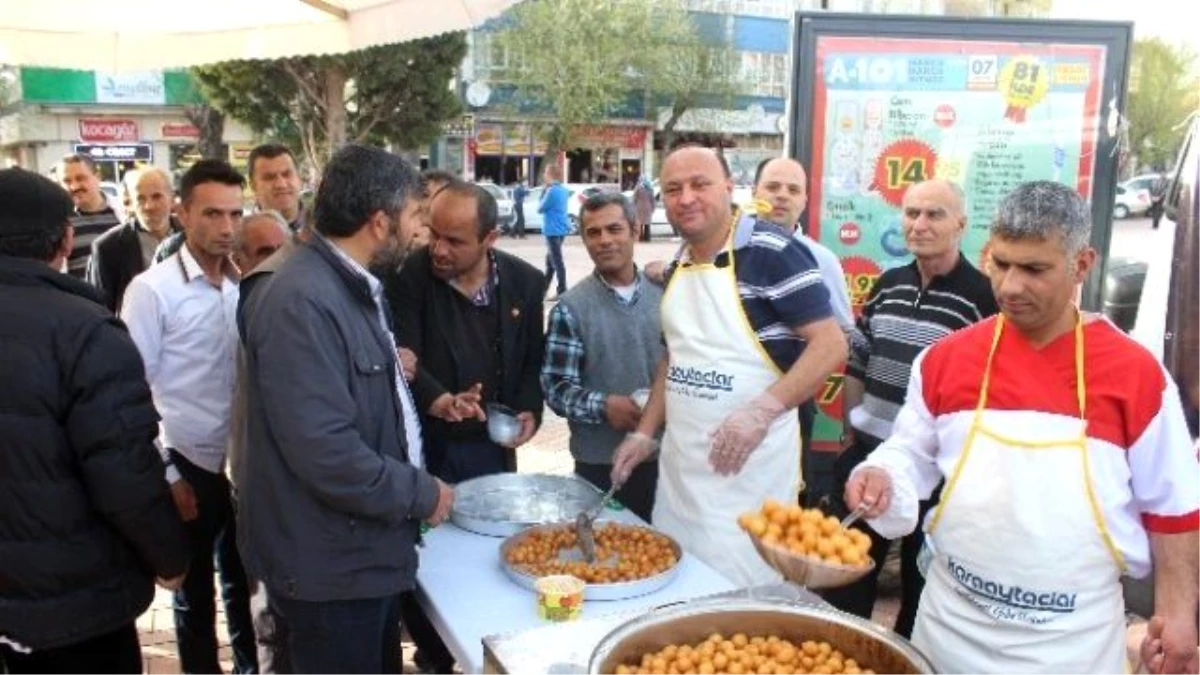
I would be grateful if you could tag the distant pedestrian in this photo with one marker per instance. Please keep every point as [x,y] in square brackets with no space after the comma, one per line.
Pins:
[555,227]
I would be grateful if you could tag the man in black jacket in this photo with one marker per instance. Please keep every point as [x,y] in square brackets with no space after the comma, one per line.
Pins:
[86,521]
[332,493]
[473,317]
[125,251]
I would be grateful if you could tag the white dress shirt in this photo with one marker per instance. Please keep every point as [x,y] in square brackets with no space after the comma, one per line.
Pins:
[412,423]
[186,330]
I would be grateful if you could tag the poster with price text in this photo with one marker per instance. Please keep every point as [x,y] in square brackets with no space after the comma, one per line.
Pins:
[986,114]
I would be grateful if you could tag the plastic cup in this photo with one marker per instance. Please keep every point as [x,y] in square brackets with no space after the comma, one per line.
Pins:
[502,424]
[559,597]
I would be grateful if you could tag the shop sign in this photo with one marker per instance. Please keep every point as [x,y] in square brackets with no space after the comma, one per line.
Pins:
[145,87]
[179,130]
[117,152]
[103,130]
[630,138]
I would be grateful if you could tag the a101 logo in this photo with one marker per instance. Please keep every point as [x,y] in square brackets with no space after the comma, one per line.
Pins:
[867,70]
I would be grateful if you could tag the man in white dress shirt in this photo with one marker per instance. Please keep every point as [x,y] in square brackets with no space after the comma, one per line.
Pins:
[181,315]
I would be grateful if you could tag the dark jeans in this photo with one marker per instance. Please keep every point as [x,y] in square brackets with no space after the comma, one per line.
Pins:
[859,598]
[115,652]
[637,494]
[213,537]
[432,655]
[808,417]
[343,636]
[519,226]
[555,265]
[271,634]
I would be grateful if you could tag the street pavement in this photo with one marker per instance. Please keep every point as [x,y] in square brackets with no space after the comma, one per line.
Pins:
[547,451]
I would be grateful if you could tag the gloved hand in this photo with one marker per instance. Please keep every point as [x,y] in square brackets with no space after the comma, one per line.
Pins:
[632,451]
[741,432]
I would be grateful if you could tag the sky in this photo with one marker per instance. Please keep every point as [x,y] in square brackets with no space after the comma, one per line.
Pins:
[1161,18]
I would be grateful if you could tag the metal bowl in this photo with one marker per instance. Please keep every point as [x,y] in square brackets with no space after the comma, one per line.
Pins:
[503,504]
[807,572]
[614,591]
[691,622]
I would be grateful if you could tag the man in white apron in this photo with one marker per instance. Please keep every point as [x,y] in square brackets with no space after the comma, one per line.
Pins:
[749,336]
[1067,463]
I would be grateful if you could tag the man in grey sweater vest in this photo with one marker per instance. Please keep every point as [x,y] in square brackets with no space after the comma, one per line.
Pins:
[603,344]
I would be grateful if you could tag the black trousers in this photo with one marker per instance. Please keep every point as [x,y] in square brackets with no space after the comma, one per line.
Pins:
[519,226]
[637,494]
[115,652]
[859,598]
[213,536]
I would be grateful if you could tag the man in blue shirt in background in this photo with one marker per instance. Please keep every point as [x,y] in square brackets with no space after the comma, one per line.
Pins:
[519,194]
[555,227]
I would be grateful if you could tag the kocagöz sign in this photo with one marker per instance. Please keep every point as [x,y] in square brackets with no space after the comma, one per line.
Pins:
[105,130]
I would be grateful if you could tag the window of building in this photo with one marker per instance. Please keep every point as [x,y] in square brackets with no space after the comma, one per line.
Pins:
[765,74]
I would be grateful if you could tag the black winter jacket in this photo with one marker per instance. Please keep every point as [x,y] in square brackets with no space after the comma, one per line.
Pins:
[86,519]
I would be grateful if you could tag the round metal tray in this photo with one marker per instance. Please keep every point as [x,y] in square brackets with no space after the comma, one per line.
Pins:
[690,622]
[504,504]
[614,591]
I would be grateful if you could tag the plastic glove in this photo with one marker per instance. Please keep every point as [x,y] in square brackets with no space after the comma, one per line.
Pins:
[741,432]
[632,451]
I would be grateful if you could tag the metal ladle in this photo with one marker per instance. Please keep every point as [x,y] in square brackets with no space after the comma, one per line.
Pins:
[584,531]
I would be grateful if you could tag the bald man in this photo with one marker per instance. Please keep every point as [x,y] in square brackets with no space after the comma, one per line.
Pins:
[909,308]
[126,250]
[732,374]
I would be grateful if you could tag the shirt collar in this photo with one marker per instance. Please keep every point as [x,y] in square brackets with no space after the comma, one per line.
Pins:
[637,286]
[191,268]
[373,282]
[959,267]
[483,296]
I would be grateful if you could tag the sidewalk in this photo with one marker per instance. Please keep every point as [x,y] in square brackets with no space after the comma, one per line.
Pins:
[546,453]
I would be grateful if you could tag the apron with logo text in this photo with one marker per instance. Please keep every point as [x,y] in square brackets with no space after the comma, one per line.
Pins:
[1025,576]
[717,364]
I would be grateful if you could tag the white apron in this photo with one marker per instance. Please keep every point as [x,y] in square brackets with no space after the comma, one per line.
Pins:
[1025,578]
[717,364]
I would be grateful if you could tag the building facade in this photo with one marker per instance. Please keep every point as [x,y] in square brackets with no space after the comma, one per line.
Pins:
[121,121]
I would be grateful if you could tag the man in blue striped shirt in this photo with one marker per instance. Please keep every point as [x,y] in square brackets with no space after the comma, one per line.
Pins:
[749,336]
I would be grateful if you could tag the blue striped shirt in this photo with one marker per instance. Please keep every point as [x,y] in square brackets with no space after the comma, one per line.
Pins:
[779,283]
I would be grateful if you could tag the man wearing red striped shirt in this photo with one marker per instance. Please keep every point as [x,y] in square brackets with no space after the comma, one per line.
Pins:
[1067,464]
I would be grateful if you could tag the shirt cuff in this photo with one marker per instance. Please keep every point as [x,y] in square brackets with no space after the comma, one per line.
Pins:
[173,476]
[901,517]
[595,404]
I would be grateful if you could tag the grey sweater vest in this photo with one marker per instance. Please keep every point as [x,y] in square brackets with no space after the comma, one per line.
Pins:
[622,345]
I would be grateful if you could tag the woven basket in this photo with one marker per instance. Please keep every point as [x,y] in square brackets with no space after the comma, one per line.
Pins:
[807,572]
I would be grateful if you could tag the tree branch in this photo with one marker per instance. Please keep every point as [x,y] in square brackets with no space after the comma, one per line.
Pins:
[315,97]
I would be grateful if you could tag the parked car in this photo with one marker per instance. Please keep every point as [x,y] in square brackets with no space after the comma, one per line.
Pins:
[579,194]
[112,194]
[1130,201]
[504,205]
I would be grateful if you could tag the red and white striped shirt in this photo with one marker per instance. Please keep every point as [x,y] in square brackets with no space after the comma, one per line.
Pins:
[1144,468]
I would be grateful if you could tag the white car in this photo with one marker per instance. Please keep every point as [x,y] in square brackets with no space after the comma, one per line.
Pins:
[1130,201]
[579,193]
[504,205]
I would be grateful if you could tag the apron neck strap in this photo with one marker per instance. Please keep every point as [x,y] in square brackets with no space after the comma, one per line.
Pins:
[1080,387]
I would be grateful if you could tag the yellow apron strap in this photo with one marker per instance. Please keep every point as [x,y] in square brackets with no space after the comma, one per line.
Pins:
[975,427]
[1093,502]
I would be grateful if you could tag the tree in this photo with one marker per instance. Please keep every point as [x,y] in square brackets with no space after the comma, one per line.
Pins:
[1018,8]
[582,59]
[692,73]
[1162,94]
[211,123]
[396,94]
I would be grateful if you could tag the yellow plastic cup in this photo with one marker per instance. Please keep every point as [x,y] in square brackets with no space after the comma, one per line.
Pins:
[559,597]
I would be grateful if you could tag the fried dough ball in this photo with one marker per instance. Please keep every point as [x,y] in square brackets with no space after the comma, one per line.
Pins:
[743,655]
[623,553]
[808,533]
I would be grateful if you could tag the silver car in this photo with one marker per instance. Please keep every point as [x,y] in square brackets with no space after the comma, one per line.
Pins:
[504,205]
